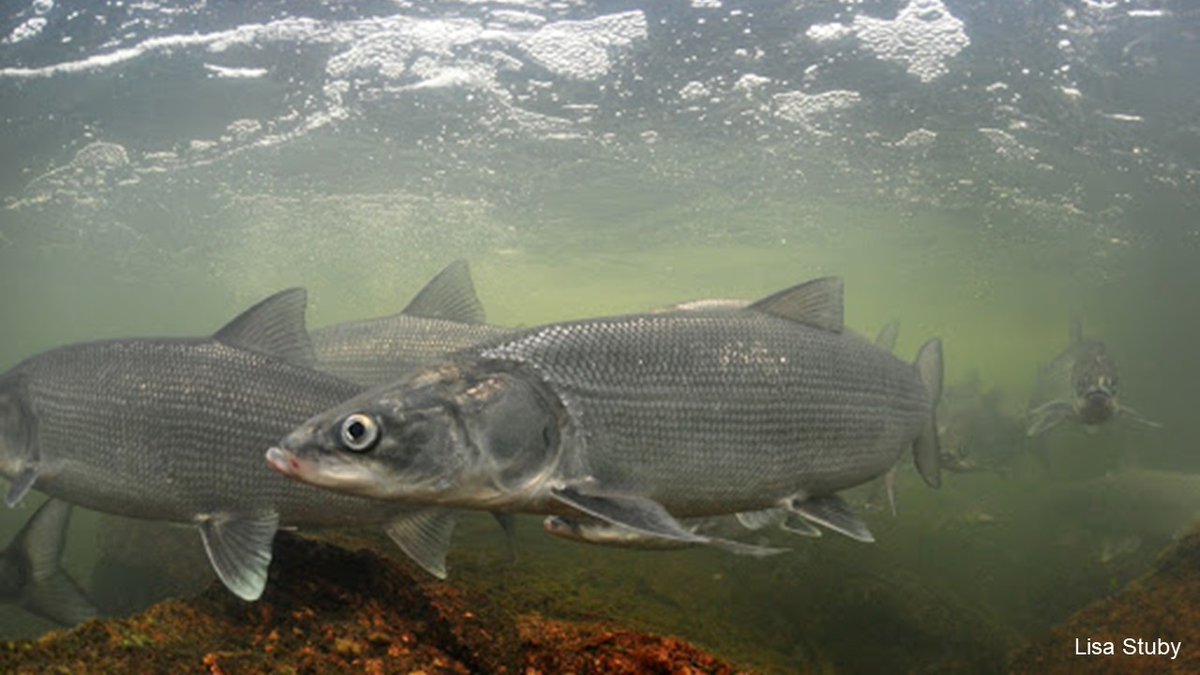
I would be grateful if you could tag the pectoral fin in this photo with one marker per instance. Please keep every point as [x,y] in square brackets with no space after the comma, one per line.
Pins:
[635,513]
[832,512]
[49,591]
[1135,416]
[1048,415]
[239,548]
[647,517]
[757,520]
[424,536]
[508,523]
[21,485]
[796,524]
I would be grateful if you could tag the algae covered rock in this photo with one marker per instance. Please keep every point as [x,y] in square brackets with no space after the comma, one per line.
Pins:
[1162,606]
[331,609]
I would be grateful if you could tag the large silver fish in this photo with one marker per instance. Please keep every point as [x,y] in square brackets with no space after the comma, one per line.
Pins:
[639,420]
[174,429]
[1080,385]
[443,317]
[31,573]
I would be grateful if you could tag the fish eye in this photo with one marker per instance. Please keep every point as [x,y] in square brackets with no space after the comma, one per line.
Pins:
[359,432]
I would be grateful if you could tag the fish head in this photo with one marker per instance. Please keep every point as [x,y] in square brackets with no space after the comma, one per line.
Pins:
[448,434]
[18,425]
[1094,372]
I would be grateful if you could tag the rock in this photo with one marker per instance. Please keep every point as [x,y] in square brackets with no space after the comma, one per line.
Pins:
[332,609]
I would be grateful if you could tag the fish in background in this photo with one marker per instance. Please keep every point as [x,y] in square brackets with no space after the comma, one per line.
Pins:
[31,573]
[1126,510]
[1079,385]
[977,434]
[640,420]
[173,429]
[443,317]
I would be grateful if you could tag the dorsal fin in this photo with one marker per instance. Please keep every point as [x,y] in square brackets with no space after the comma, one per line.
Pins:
[449,296]
[1076,331]
[886,338]
[816,303]
[274,326]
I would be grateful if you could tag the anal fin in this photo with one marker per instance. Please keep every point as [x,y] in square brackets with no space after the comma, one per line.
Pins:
[239,548]
[833,513]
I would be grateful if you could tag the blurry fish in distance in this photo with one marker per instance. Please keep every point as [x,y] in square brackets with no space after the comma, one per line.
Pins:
[1079,385]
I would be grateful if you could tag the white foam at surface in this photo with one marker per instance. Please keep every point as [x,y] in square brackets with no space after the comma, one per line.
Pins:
[580,49]
[235,73]
[917,138]
[922,37]
[518,19]
[805,109]
[30,28]
[1007,146]
[824,32]
[694,90]
[750,81]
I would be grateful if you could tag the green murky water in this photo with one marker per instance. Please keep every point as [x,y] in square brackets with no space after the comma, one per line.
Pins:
[1013,167]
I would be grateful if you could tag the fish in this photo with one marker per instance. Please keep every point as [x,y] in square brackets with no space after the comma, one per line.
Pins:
[31,573]
[1079,385]
[640,420]
[589,530]
[173,429]
[442,318]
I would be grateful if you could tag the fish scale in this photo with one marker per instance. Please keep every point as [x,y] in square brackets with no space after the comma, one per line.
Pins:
[696,410]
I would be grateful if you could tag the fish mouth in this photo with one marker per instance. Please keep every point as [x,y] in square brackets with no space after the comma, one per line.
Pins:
[329,473]
[285,462]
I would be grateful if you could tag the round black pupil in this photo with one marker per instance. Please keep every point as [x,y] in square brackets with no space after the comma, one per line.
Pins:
[356,430]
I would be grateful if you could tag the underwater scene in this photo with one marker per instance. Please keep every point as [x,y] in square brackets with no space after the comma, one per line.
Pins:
[537,336]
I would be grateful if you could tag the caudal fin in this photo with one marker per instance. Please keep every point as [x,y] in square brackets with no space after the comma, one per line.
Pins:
[926,450]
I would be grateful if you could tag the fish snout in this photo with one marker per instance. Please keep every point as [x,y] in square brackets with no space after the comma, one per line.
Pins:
[1098,406]
[285,462]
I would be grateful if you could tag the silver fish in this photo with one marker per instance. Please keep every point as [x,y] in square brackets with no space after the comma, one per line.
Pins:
[642,419]
[31,573]
[443,317]
[174,429]
[1080,385]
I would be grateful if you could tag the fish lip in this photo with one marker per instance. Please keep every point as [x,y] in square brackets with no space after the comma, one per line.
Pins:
[284,461]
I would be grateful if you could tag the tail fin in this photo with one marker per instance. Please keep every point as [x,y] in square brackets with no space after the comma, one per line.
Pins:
[926,451]
[47,590]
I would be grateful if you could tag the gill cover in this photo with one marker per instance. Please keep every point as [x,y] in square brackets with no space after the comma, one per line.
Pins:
[514,422]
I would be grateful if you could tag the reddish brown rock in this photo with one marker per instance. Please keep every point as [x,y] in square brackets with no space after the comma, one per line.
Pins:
[329,609]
